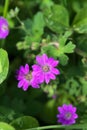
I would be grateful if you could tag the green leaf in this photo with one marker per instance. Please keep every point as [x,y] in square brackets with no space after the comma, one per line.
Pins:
[72,86]
[84,86]
[0,67]
[56,18]
[63,59]
[35,30]
[49,111]
[5,126]
[4,65]
[77,5]
[80,21]
[38,24]
[25,122]
[6,114]
[50,50]
[69,48]
[63,38]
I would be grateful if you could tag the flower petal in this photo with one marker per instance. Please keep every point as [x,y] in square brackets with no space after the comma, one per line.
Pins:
[36,67]
[53,62]
[47,78]
[22,70]
[55,71]
[44,58]
[20,84]
[41,78]
[52,76]
[25,86]
[39,60]
[35,85]
[26,68]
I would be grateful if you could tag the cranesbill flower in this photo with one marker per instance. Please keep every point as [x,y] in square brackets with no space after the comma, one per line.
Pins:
[67,114]
[45,68]
[26,78]
[4,30]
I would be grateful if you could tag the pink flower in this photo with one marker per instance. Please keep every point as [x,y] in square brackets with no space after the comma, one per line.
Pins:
[67,114]
[26,78]
[4,30]
[45,68]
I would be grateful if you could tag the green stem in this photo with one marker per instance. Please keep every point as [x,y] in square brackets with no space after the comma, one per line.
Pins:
[22,24]
[80,52]
[6,7]
[78,126]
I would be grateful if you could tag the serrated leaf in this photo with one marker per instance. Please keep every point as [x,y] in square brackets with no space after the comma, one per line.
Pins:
[69,48]
[5,126]
[63,38]
[4,65]
[25,122]
[57,18]
[80,21]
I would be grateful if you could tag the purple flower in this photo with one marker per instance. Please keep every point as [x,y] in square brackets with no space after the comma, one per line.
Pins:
[26,78]
[4,30]
[67,114]
[45,68]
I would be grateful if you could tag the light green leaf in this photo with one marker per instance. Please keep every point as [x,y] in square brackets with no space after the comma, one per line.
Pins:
[5,126]
[0,67]
[25,122]
[38,24]
[4,65]
[63,38]
[80,21]
[57,18]
[69,48]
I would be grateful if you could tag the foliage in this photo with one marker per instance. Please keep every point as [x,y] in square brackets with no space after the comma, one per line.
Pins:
[57,28]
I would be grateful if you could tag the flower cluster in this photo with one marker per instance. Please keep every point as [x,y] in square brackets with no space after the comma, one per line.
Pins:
[41,72]
[67,114]
[4,30]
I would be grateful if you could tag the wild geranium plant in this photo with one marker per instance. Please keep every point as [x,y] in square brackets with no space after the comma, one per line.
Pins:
[43,51]
[42,71]
[67,114]
[26,77]
[45,68]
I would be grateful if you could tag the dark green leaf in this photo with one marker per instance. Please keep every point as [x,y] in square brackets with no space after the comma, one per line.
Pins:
[57,18]
[63,59]
[25,122]
[80,21]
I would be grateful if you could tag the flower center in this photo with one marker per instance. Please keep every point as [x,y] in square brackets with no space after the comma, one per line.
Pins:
[28,76]
[45,68]
[68,115]
[4,27]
